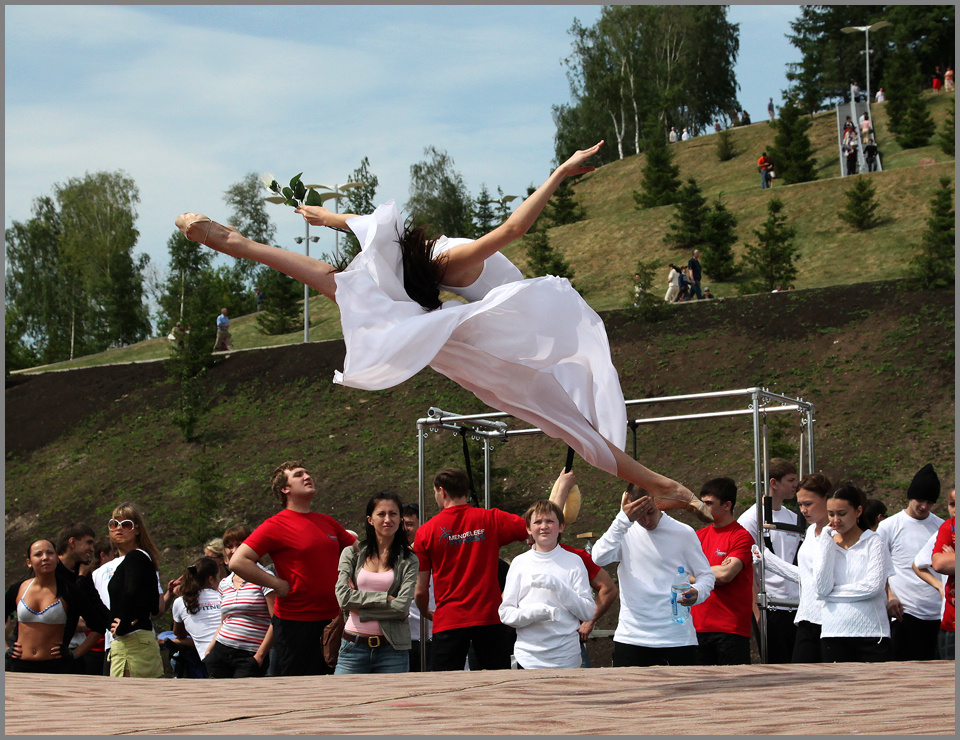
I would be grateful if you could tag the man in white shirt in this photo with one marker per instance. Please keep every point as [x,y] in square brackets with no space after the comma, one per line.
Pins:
[650,547]
[914,605]
[781,630]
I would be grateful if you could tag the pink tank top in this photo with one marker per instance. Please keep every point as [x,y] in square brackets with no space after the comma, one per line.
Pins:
[367,581]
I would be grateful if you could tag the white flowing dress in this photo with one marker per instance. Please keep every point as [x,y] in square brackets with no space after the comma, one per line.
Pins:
[532,348]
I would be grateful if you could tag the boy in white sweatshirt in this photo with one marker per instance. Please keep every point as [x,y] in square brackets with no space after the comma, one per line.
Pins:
[547,595]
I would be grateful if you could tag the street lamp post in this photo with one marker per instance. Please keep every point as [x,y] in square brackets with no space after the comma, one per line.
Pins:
[306,239]
[867,29]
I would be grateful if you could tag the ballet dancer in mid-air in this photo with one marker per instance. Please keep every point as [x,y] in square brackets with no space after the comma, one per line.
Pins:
[530,347]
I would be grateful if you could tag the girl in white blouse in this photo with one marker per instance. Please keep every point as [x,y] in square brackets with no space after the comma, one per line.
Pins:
[850,573]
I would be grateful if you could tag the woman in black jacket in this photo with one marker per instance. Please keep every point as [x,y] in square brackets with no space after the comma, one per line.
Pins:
[134,596]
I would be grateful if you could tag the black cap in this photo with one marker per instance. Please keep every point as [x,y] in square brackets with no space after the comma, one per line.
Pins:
[925,485]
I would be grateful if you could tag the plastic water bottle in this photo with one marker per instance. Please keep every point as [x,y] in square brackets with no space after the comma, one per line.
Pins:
[680,584]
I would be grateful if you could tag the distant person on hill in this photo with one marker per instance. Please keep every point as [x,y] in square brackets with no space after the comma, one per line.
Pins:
[948,80]
[695,273]
[856,92]
[865,126]
[673,284]
[707,295]
[770,109]
[745,119]
[880,97]
[850,156]
[765,166]
[870,153]
[672,137]
[683,284]
[224,341]
[716,126]
[685,136]
[937,79]
[260,298]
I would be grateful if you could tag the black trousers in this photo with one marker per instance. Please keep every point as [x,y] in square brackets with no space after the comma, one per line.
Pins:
[625,656]
[415,655]
[492,645]
[299,647]
[781,634]
[722,648]
[806,648]
[224,661]
[914,639]
[854,649]
[57,665]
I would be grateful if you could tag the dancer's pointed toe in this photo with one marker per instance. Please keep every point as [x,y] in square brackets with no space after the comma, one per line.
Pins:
[199,234]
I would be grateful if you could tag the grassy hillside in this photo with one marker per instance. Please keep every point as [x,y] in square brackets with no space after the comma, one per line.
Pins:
[876,359]
[604,248]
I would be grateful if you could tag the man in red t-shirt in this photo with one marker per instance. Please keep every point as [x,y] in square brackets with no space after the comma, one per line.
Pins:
[305,547]
[461,546]
[723,620]
[944,560]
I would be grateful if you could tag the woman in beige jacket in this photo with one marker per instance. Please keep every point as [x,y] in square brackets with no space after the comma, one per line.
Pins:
[376,585]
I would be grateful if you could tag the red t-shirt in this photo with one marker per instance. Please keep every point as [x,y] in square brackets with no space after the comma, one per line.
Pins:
[592,567]
[305,549]
[730,605]
[461,546]
[946,535]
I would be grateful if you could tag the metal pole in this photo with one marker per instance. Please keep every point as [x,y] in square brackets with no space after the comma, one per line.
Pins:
[486,472]
[421,500]
[306,291]
[758,477]
[868,67]
[811,461]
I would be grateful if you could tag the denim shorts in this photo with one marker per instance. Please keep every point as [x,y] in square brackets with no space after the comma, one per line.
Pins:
[357,658]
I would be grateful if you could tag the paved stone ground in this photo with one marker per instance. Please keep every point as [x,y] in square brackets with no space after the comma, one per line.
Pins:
[818,699]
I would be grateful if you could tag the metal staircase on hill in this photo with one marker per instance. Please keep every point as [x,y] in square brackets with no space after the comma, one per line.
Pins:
[855,109]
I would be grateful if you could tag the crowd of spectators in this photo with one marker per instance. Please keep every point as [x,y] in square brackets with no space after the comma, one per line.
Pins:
[837,580]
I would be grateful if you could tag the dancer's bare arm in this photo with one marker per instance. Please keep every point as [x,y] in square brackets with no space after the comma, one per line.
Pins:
[465,261]
[320,216]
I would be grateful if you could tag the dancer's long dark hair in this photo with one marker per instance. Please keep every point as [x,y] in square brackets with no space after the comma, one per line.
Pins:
[399,547]
[422,271]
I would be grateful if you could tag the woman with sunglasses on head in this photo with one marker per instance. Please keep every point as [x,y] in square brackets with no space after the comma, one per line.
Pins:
[812,500]
[376,585]
[41,606]
[133,593]
[850,572]
[531,348]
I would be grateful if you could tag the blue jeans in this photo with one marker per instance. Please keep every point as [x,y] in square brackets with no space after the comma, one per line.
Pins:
[356,658]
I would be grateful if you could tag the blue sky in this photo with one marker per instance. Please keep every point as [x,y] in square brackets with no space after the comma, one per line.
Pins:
[187,99]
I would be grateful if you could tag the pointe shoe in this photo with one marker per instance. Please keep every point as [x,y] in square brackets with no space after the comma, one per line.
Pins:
[684,499]
[186,220]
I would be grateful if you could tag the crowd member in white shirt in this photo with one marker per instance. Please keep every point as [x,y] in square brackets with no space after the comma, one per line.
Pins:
[196,612]
[781,630]
[850,571]
[650,547]
[913,605]
[411,523]
[547,595]
[812,502]
[923,563]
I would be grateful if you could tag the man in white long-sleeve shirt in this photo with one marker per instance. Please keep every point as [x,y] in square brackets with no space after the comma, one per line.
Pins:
[650,547]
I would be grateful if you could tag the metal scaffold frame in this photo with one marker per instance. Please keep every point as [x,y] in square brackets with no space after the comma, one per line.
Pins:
[489,427]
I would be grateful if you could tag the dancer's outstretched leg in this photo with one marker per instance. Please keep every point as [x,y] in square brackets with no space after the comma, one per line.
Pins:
[667,493]
[313,272]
